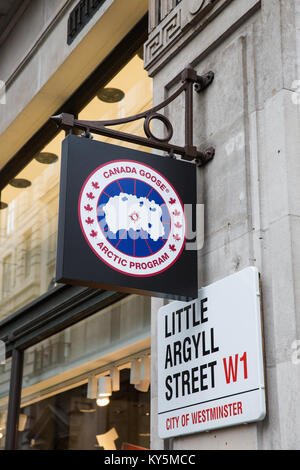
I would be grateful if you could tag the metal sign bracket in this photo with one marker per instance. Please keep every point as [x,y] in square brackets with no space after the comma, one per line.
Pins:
[190,81]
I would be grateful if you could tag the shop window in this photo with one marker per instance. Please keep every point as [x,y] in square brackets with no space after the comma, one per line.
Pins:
[128,93]
[71,421]
[10,226]
[29,203]
[27,224]
[56,412]
[61,374]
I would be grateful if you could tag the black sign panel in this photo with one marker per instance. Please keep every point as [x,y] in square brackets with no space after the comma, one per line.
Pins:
[122,223]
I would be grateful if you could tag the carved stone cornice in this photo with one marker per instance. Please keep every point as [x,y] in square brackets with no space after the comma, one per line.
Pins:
[178,24]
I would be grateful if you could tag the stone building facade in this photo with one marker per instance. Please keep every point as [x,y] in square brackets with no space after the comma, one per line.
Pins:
[250,114]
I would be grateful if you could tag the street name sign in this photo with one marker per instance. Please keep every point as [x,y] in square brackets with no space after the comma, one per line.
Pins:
[210,358]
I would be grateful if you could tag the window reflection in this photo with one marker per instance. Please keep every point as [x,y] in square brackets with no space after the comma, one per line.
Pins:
[29,204]
[115,343]
[28,228]
[127,94]
[71,421]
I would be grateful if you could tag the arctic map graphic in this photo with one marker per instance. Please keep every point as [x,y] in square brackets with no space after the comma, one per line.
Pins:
[127,211]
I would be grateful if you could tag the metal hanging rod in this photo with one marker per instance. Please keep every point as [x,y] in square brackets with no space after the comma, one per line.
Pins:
[190,81]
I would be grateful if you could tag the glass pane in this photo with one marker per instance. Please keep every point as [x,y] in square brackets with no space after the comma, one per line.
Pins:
[57,370]
[127,94]
[28,228]
[29,204]
[71,421]
[93,341]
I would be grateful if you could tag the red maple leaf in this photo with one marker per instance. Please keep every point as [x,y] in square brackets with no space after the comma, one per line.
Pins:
[93,233]
[172,247]
[89,221]
[95,185]
[88,208]
[90,195]
[176,237]
[178,225]
[172,200]
[176,212]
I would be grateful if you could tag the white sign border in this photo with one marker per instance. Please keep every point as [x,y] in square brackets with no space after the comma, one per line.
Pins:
[259,391]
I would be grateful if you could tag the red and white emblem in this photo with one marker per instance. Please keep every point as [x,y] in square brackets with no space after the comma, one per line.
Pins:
[132,218]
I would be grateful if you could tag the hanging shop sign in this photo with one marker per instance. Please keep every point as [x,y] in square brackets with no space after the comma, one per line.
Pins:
[122,223]
[210,358]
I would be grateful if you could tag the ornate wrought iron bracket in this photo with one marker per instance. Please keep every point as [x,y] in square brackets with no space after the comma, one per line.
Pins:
[190,82]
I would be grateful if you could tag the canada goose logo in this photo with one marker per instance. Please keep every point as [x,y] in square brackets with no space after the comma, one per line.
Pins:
[132,218]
